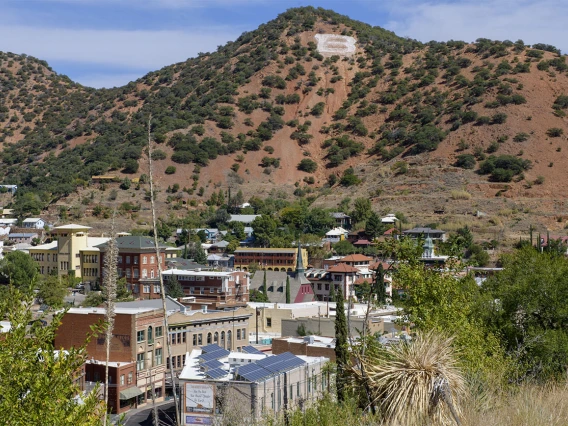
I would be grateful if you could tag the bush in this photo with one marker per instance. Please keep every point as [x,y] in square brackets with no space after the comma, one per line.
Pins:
[561,102]
[554,132]
[158,155]
[465,161]
[349,178]
[499,118]
[307,165]
[130,166]
[318,109]
[504,167]
[182,157]
[521,137]
[539,180]
[170,170]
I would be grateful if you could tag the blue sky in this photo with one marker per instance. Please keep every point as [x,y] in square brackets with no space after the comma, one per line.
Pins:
[106,43]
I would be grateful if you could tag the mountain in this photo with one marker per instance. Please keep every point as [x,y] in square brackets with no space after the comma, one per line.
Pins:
[444,127]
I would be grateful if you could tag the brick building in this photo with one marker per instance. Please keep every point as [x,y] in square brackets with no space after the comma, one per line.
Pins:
[138,339]
[269,259]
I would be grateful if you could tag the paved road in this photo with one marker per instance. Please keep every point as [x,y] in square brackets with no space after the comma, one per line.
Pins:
[144,416]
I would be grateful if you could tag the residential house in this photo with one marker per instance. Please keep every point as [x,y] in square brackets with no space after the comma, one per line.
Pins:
[9,188]
[33,222]
[246,219]
[8,222]
[337,276]
[417,233]
[221,260]
[389,218]
[341,220]
[21,237]
[336,234]
[138,340]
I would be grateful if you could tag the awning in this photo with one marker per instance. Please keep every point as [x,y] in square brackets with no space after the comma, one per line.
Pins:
[130,393]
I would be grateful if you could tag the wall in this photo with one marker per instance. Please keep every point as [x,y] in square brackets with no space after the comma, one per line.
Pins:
[325,326]
[279,346]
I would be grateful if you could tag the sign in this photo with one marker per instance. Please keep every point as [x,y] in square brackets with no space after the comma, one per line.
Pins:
[199,398]
[197,420]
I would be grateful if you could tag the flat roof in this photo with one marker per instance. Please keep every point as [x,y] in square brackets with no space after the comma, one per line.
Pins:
[102,311]
[196,273]
[267,250]
[72,227]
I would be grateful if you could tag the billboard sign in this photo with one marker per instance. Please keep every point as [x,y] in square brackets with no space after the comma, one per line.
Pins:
[199,398]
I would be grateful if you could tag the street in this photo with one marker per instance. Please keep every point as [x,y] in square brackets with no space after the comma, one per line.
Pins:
[144,416]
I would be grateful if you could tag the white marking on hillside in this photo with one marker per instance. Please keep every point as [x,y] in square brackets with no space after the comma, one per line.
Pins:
[333,44]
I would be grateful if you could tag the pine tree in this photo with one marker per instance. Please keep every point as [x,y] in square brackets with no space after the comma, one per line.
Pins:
[380,285]
[341,346]
[264,287]
[288,289]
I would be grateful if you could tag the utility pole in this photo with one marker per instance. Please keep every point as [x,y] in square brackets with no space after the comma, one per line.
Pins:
[286,420]
[319,321]
[256,317]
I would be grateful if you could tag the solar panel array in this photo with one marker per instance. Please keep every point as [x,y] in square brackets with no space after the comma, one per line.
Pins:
[212,364]
[216,373]
[214,355]
[252,350]
[269,366]
[211,348]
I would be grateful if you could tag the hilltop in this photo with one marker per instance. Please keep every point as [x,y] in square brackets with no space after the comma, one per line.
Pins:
[445,128]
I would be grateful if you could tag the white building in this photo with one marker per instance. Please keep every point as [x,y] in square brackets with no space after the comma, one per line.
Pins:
[33,222]
[389,218]
[336,234]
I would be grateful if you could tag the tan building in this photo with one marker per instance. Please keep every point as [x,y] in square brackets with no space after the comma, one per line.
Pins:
[270,259]
[63,255]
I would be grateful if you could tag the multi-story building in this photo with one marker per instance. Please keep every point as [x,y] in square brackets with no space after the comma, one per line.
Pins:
[212,286]
[137,262]
[138,340]
[270,259]
[63,255]
[337,276]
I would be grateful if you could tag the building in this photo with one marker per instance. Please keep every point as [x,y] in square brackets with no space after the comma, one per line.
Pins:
[136,262]
[300,287]
[418,233]
[305,345]
[138,341]
[337,276]
[9,188]
[336,235]
[63,254]
[8,222]
[341,220]
[212,286]
[269,316]
[246,219]
[249,383]
[221,261]
[269,259]
[33,222]
[429,255]
[389,218]
[21,237]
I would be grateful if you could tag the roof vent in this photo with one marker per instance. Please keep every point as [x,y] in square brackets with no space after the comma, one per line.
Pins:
[309,340]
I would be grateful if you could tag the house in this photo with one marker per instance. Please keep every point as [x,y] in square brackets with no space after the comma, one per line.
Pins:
[341,220]
[246,219]
[417,233]
[269,259]
[211,234]
[19,237]
[253,384]
[390,219]
[212,286]
[63,254]
[9,188]
[341,276]
[137,352]
[185,264]
[33,222]
[8,222]
[336,234]
[221,261]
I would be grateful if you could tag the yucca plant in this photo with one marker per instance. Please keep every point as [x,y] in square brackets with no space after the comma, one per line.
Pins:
[415,382]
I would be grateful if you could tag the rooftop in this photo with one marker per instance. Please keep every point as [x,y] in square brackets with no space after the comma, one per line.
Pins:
[343,268]
[72,227]
[196,273]
[135,242]
[266,250]
[102,311]
[246,218]
[356,258]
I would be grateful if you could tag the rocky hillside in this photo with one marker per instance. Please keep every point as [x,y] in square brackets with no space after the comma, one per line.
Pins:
[446,127]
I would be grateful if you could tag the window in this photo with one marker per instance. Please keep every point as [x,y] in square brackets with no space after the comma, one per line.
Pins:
[135,259]
[298,389]
[201,290]
[291,392]
[269,322]
[128,260]
[327,287]
[211,290]
[146,287]
[144,273]
[239,334]
[184,334]
[152,259]
[199,339]
[319,286]
[136,273]
[159,331]
[152,275]
[195,340]
[129,381]
[209,338]
[122,380]
[145,260]
[191,290]
[150,335]
[158,357]
[140,362]
[140,336]
[216,337]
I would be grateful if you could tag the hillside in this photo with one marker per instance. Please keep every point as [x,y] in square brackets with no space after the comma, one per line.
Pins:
[397,115]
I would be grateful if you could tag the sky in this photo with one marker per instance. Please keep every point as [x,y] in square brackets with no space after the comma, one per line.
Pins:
[107,43]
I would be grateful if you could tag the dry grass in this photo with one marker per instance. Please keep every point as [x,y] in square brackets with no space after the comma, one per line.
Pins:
[460,195]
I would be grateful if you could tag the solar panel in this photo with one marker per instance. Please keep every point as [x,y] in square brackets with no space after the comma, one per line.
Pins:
[216,373]
[214,355]
[252,350]
[253,372]
[212,364]
[279,363]
[211,348]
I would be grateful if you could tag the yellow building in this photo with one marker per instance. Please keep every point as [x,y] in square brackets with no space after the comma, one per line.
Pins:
[63,254]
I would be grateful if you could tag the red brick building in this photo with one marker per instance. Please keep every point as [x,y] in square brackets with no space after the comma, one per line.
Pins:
[138,263]
[137,351]
[212,286]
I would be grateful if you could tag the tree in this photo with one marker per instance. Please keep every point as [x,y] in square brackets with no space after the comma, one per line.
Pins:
[264,228]
[173,288]
[343,248]
[37,382]
[374,227]
[18,269]
[341,347]
[264,286]
[287,289]
[380,289]
[52,292]
[258,296]
[361,210]
[130,166]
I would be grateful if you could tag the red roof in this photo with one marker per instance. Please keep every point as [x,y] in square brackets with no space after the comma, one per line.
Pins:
[355,258]
[362,243]
[374,266]
[342,267]
[390,231]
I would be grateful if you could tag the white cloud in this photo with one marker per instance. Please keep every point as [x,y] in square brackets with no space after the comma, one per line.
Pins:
[534,21]
[121,49]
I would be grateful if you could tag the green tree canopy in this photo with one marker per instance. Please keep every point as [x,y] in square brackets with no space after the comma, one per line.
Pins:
[19,269]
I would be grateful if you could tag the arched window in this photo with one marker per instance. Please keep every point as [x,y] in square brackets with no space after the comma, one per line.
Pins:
[216,339]
[209,338]
[150,335]
[229,339]
[223,340]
